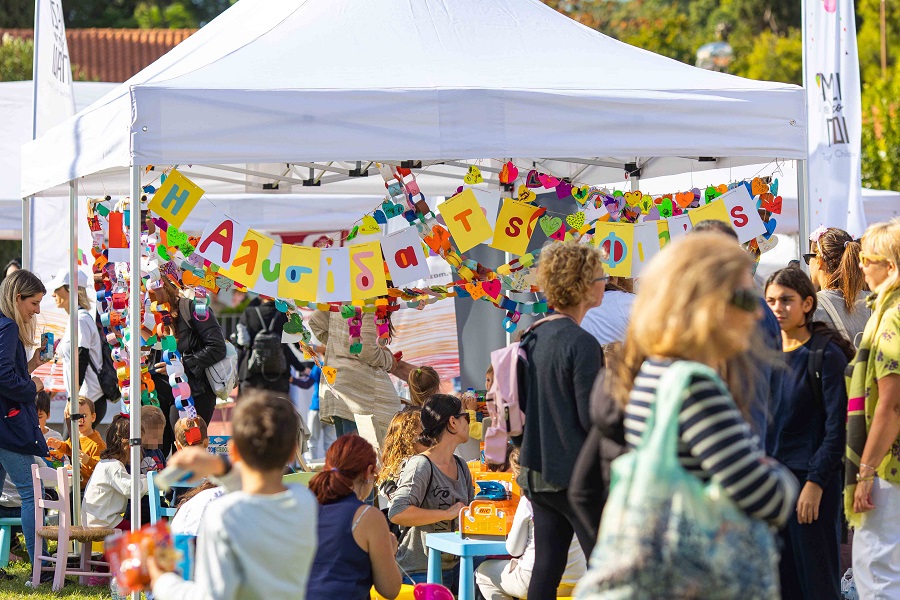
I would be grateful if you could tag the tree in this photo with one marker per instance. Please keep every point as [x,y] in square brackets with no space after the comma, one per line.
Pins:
[15,58]
[881,132]
[774,58]
[173,16]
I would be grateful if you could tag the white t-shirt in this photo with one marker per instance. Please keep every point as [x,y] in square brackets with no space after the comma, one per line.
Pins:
[609,321]
[188,518]
[88,337]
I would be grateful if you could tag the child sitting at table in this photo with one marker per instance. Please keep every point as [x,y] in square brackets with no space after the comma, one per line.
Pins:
[258,542]
[90,442]
[153,424]
[109,490]
[42,400]
[508,579]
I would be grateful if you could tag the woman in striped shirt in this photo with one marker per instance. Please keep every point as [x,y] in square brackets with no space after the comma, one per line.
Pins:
[702,307]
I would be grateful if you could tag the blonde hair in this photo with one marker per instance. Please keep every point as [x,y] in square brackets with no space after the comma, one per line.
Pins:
[884,239]
[83,301]
[684,307]
[24,284]
[566,273]
[424,383]
[399,443]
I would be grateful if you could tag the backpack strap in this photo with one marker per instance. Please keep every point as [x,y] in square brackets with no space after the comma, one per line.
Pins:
[829,307]
[816,362]
[262,323]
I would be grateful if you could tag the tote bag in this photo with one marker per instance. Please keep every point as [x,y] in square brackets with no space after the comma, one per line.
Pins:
[667,534]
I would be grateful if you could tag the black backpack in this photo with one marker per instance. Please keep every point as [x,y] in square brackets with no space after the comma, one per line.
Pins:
[266,353]
[106,375]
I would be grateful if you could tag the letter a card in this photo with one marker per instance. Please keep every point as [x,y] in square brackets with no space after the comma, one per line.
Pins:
[221,240]
[466,220]
[404,256]
[616,243]
[175,198]
[247,265]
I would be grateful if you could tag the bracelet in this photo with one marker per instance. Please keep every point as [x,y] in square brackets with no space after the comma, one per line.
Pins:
[862,464]
[860,478]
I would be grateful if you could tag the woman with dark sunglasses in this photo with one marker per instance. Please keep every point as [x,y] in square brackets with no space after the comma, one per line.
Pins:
[833,261]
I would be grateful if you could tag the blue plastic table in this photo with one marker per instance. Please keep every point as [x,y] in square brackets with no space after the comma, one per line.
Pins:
[466,550]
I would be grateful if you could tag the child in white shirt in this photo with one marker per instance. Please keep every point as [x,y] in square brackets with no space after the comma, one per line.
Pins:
[109,489]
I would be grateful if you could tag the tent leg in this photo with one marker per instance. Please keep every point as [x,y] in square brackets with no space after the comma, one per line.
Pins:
[26,232]
[134,348]
[803,208]
[73,354]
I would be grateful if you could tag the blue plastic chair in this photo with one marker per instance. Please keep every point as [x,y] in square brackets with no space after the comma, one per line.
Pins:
[157,510]
[6,525]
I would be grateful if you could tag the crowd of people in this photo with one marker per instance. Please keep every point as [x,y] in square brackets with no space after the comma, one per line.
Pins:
[674,425]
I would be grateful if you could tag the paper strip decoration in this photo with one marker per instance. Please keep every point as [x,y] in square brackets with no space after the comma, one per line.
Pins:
[646,244]
[175,198]
[616,240]
[334,275]
[466,220]
[404,256]
[679,226]
[118,245]
[742,213]
[299,277]
[221,240]
[714,211]
[247,265]
[367,278]
[515,226]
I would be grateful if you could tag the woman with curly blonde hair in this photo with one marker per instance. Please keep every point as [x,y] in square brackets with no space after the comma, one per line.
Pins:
[399,444]
[565,360]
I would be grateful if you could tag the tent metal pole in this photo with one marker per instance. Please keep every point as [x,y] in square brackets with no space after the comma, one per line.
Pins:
[26,232]
[73,355]
[803,207]
[134,348]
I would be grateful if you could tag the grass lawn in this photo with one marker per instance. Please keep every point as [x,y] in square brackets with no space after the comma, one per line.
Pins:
[15,589]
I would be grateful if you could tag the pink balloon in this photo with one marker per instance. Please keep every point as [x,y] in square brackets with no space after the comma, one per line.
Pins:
[431,591]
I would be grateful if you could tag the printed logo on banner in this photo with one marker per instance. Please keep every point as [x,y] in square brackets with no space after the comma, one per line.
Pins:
[334,275]
[247,265]
[221,240]
[616,241]
[367,278]
[466,220]
[299,278]
[515,226]
[404,256]
[175,198]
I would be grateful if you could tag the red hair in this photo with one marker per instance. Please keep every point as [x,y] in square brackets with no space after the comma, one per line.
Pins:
[347,459]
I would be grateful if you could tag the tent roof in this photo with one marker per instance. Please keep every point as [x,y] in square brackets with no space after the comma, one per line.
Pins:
[284,81]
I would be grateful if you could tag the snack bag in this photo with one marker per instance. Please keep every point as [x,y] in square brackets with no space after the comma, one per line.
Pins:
[128,553]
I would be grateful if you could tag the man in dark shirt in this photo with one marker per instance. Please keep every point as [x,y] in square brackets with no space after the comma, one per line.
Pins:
[258,316]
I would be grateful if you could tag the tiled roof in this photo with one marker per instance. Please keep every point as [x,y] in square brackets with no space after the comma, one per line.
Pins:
[114,54]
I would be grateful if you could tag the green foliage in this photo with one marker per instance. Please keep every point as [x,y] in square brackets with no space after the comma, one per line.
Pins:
[15,58]
[774,58]
[881,132]
[176,15]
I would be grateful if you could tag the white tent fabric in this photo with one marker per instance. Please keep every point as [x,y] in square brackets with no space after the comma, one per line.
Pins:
[289,81]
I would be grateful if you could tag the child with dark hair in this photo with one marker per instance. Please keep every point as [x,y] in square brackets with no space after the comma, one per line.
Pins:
[153,426]
[356,548]
[42,400]
[807,435]
[434,486]
[259,540]
[109,490]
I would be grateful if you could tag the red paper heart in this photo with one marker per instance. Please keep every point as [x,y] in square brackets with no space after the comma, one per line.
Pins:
[771,203]
[508,173]
[533,179]
[491,288]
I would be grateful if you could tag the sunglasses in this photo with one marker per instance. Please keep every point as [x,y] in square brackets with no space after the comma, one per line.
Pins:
[604,278]
[809,257]
[745,299]
[866,259]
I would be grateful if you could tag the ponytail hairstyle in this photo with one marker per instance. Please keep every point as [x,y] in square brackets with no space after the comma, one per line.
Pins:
[436,414]
[838,255]
[797,280]
[117,439]
[20,284]
[424,382]
[346,461]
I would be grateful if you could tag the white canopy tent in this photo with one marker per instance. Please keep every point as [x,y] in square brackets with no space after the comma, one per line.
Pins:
[301,92]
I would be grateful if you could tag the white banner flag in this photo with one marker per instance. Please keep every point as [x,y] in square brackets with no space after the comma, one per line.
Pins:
[54,96]
[835,116]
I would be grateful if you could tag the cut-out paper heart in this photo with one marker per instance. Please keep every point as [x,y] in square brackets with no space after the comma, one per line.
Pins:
[473,176]
[492,288]
[508,173]
[330,374]
[525,194]
[391,210]
[353,233]
[548,181]
[550,225]
[369,225]
[614,205]
[563,190]
[758,187]
[773,205]
[773,187]
[631,214]
[581,193]
[749,187]
[294,324]
[722,188]
[665,208]
[174,237]
[474,290]
[765,245]
[409,215]
[595,197]
[684,199]
[576,221]
[533,179]
[379,217]
[652,215]
[439,239]
[710,194]
[646,203]
[633,198]
[770,228]
[560,234]
[347,312]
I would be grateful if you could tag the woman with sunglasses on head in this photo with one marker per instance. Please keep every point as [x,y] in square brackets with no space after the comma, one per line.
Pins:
[434,486]
[807,435]
[833,261]
[872,465]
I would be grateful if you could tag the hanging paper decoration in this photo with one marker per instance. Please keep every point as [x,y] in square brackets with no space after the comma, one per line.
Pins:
[175,198]
[515,226]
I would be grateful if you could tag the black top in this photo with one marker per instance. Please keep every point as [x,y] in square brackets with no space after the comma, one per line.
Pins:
[555,393]
[19,428]
[277,319]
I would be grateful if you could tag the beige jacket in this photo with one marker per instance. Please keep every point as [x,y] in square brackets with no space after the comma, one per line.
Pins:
[362,383]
